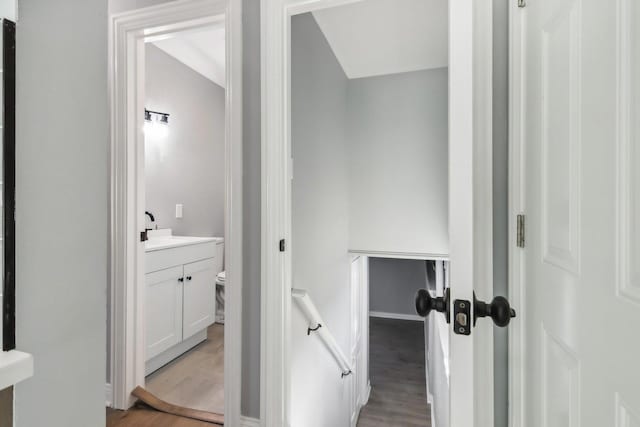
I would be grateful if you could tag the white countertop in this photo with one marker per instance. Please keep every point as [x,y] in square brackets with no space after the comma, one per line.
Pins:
[163,239]
[15,366]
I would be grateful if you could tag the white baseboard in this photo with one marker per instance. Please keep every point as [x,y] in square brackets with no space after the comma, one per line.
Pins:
[397,316]
[108,395]
[174,352]
[367,395]
[249,422]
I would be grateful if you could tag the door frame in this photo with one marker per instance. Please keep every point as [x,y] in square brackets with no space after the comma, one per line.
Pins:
[127,32]
[472,173]
[517,206]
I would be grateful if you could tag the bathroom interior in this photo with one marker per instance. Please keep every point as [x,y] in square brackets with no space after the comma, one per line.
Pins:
[184,170]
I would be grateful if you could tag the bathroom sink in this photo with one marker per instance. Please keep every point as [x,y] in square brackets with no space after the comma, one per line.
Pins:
[163,239]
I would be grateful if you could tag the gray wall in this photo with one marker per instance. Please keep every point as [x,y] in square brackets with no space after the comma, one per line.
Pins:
[61,213]
[500,206]
[320,223]
[398,146]
[251,205]
[187,166]
[393,284]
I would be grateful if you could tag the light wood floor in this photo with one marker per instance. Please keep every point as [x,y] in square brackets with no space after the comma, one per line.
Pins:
[397,370]
[142,417]
[195,379]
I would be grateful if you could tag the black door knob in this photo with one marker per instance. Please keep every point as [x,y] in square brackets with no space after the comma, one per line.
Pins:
[425,303]
[499,310]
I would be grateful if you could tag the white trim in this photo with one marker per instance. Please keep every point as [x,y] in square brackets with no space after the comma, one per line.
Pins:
[470,221]
[108,395]
[401,255]
[397,316]
[367,395]
[127,33]
[517,285]
[483,208]
[249,422]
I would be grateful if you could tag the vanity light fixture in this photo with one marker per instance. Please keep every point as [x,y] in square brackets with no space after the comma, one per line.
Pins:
[156,124]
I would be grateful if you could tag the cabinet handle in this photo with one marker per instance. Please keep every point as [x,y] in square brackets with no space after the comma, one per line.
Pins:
[181,279]
[189,278]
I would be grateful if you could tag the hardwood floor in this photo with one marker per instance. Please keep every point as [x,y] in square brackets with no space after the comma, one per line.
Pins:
[195,379]
[143,417]
[398,395]
[397,369]
[6,407]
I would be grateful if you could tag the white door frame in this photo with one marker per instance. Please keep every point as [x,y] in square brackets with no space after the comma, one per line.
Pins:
[517,285]
[127,33]
[471,144]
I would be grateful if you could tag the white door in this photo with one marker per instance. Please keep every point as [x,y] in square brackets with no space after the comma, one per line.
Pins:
[581,127]
[199,296]
[163,310]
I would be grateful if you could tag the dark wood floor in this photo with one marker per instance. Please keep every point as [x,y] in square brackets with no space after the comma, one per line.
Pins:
[6,407]
[397,369]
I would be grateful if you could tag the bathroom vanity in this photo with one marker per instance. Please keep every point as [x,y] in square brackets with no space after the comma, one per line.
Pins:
[180,284]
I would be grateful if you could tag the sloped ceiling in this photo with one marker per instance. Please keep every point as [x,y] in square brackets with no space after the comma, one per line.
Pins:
[202,50]
[377,37]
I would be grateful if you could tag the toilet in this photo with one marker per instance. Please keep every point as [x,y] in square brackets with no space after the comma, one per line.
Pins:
[220,283]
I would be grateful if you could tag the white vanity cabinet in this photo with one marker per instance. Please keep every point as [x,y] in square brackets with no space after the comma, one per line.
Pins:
[180,295]
[163,307]
[199,296]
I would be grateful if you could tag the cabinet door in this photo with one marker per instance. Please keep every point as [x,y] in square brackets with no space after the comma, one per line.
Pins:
[163,310]
[199,296]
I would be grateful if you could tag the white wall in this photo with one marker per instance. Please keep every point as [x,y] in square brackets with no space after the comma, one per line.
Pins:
[8,9]
[187,166]
[321,263]
[398,145]
[61,213]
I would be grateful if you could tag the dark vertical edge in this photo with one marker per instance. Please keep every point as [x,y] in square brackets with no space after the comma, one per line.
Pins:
[6,407]
[9,185]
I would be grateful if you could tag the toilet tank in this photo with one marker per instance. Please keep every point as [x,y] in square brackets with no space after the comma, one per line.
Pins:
[219,257]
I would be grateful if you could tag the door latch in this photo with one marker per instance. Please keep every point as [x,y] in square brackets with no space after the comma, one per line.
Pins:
[462,317]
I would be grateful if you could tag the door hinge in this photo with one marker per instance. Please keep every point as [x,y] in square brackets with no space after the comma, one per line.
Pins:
[144,236]
[282,246]
[520,231]
[522,3]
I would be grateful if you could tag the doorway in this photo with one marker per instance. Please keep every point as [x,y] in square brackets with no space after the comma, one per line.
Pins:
[164,316]
[368,140]
[469,226]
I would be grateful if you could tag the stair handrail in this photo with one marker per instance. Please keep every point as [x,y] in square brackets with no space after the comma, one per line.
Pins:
[317,325]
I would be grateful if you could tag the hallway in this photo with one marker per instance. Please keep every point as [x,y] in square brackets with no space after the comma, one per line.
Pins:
[398,390]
